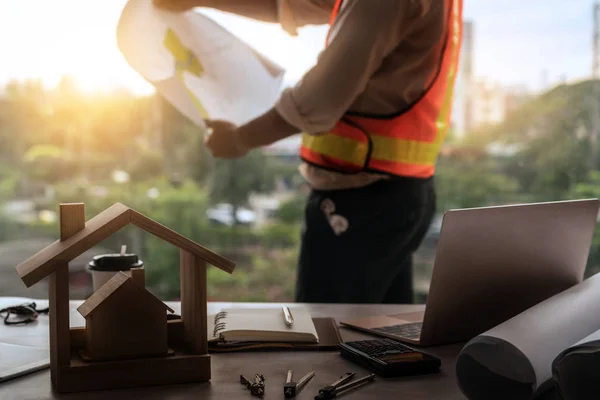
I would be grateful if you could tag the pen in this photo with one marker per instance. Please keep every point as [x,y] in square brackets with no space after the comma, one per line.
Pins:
[287,316]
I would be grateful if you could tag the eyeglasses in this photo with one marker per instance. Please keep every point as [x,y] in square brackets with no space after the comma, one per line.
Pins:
[23,314]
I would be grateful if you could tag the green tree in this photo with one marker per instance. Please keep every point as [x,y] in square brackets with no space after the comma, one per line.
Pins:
[8,183]
[292,211]
[470,177]
[590,189]
[554,140]
[234,180]
[46,163]
[182,209]
[286,171]
[147,166]
[23,112]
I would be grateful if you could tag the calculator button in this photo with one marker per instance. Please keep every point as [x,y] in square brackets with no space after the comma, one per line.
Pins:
[390,357]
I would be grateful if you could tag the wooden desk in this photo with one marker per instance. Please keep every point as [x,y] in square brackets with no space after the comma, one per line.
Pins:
[226,368]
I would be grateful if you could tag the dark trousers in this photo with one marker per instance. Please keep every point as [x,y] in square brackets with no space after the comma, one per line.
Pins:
[371,260]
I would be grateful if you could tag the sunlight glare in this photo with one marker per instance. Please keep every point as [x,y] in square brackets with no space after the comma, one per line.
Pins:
[70,37]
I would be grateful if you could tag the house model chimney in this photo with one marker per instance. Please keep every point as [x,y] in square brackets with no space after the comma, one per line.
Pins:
[138,276]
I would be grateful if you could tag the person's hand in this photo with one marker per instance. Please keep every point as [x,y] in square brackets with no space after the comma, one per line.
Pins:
[177,5]
[224,141]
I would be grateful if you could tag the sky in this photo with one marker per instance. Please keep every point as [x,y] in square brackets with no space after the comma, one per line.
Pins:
[515,40]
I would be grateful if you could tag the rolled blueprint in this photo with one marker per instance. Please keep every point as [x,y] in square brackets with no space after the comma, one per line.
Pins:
[514,359]
[576,370]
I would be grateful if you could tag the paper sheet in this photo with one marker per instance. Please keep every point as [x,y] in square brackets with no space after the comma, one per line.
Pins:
[23,348]
[197,65]
[513,359]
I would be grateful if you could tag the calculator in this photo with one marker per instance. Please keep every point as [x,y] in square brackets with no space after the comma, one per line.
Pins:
[390,358]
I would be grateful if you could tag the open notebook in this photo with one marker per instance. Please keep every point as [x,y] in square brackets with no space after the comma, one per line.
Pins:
[261,325]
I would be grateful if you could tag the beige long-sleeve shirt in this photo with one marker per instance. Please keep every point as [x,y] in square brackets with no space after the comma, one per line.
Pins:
[380,58]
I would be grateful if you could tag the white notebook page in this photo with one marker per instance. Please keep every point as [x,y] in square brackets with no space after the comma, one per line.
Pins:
[264,324]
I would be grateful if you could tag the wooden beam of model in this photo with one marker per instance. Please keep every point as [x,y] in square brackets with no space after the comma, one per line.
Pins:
[128,340]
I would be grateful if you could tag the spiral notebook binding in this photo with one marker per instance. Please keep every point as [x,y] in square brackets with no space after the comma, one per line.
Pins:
[218,328]
[220,315]
[218,324]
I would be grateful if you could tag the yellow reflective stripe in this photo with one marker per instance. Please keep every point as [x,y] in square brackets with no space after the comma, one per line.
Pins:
[336,146]
[185,60]
[443,117]
[385,148]
[441,121]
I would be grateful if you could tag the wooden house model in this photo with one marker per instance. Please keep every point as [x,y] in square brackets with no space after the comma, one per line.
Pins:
[80,359]
[124,320]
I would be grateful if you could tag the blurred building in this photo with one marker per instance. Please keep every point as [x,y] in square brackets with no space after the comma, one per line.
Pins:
[288,148]
[596,42]
[516,96]
[478,100]
[461,116]
[492,101]
[222,214]
[488,103]
[265,206]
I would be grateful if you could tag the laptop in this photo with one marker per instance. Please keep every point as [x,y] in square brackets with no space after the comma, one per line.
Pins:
[491,264]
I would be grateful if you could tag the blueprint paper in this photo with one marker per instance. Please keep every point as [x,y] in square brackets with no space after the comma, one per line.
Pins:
[202,69]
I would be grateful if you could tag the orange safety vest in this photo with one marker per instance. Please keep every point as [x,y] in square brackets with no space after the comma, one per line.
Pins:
[406,144]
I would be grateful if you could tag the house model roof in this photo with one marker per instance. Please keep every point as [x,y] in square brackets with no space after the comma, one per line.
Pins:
[99,228]
[118,281]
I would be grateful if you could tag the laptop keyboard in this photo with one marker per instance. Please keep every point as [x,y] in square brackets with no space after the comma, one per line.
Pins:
[409,331]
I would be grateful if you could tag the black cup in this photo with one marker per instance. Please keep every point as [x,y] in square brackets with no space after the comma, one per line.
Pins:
[105,266]
[115,262]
